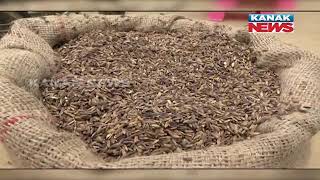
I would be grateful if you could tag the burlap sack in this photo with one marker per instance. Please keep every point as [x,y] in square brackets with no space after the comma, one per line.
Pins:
[26,57]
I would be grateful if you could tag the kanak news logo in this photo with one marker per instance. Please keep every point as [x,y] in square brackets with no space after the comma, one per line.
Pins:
[271,23]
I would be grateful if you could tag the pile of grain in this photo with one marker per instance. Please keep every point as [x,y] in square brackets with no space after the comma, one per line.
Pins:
[135,93]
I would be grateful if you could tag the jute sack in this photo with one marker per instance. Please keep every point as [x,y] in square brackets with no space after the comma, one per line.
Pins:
[26,57]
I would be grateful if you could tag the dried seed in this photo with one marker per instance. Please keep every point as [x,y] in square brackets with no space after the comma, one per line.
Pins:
[137,93]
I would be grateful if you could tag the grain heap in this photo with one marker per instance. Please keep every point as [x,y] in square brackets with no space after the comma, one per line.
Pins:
[137,93]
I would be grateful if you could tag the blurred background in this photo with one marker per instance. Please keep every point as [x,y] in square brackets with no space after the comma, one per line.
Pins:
[152,5]
[306,35]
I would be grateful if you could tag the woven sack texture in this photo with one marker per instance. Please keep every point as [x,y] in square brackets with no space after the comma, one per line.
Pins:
[27,57]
